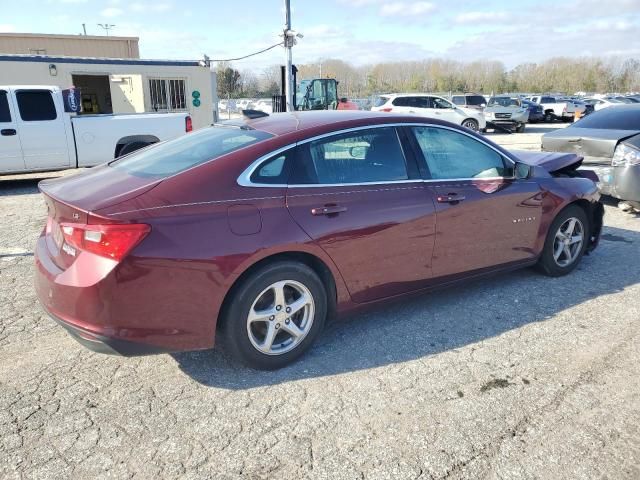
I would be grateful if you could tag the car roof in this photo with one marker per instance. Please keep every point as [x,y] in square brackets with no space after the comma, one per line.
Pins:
[325,121]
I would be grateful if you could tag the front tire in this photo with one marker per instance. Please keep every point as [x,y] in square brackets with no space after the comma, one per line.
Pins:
[274,316]
[565,243]
[471,124]
[520,128]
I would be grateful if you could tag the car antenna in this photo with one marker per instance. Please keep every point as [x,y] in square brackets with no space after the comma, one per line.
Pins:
[251,114]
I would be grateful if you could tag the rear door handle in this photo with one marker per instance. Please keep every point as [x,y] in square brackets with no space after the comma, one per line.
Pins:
[450,198]
[7,132]
[328,210]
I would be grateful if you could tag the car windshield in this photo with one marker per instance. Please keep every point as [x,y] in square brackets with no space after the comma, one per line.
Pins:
[612,118]
[169,158]
[504,102]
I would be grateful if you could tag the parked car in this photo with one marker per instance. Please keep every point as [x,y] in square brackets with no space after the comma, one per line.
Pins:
[609,140]
[430,106]
[264,105]
[37,135]
[555,108]
[633,98]
[536,113]
[253,234]
[600,103]
[506,113]
[469,100]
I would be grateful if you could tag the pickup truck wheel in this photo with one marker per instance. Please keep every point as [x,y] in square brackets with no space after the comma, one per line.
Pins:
[548,117]
[131,147]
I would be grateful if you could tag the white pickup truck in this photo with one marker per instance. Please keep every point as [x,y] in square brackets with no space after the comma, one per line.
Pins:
[36,134]
[555,108]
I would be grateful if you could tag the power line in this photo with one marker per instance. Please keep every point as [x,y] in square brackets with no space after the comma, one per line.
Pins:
[247,56]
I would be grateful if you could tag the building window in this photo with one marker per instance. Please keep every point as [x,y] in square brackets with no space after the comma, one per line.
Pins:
[167,95]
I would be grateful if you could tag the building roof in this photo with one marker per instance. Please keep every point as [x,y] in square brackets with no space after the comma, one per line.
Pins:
[95,60]
[62,36]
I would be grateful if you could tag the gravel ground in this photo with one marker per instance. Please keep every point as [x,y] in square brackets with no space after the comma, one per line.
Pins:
[519,376]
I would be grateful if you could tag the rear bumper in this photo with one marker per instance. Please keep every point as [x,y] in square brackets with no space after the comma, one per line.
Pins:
[110,346]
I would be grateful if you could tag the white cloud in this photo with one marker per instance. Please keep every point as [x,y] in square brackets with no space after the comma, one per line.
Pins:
[7,28]
[474,17]
[406,9]
[150,7]
[111,12]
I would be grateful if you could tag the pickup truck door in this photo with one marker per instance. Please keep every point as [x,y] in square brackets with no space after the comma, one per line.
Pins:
[10,149]
[41,126]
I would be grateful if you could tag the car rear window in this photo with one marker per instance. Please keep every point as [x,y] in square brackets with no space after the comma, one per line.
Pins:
[612,118]
[169,158]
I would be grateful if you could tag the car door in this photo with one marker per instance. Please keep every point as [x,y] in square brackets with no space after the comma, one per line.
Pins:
[10,149]
[363,202]
[40,124]
[445,110]
[484,216]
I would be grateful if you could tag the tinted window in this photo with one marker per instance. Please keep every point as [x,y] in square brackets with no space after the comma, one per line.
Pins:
[450,154]
[371,155]
[171,157]
[5,115]
[612,118]
[477,100]
[548,100]
[458,100]
[36,105]
[273,170]
[404,102]
[379,101]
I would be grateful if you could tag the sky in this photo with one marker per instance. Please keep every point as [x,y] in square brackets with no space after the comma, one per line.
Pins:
[357,31]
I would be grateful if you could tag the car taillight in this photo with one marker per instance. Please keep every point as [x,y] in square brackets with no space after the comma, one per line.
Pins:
[110,241]
[625,156]
[188,124]
[386,109]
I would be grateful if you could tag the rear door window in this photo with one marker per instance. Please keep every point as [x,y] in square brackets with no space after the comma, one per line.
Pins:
[373,155]
[169,158]
[380,101]
[5,114]
[36,105]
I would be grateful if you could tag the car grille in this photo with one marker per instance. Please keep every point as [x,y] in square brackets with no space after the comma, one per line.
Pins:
[503,115]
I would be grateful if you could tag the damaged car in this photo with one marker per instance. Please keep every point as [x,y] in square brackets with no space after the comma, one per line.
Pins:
[609,141]
[253,234]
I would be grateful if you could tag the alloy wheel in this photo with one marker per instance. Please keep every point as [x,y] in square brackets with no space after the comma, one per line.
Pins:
[280,317]
[568,241]
[471,125]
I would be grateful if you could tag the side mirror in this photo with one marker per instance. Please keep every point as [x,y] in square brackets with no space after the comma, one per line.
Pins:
[358,152]
[522,171]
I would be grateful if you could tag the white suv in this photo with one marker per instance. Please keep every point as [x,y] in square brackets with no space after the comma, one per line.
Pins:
[431,106]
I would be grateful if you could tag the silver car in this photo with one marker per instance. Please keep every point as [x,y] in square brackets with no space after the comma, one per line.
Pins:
[506,113]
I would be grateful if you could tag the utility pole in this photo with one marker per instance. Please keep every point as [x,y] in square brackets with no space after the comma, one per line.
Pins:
[289,41]
[84,29]
[106,27]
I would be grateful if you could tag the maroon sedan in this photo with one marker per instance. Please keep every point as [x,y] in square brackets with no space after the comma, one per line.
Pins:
[252,234]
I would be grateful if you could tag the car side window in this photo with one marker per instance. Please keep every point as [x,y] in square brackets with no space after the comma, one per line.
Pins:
[36,105]
[440,103]
[274,170]
[454,155]
[372,155]
[423,102]
[458,100]
[401,102]
[5,115]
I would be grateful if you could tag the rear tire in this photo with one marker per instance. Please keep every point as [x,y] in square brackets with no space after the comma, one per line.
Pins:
[255,332]
[565,244]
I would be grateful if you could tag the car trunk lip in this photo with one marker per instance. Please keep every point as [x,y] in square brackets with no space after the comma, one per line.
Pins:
[97,188]
[594,142]
[550,161]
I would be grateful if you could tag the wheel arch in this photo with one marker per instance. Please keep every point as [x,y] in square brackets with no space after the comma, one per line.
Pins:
[314,262]
[133,138]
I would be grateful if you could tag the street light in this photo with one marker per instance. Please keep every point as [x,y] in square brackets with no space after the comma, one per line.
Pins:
[106,27]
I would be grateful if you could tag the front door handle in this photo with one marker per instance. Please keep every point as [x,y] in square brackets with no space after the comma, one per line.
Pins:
[7,132]
[328,210]
[450,198]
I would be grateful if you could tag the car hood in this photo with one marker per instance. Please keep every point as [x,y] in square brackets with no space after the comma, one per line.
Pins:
[97,188]
[592,142]
[550,161]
